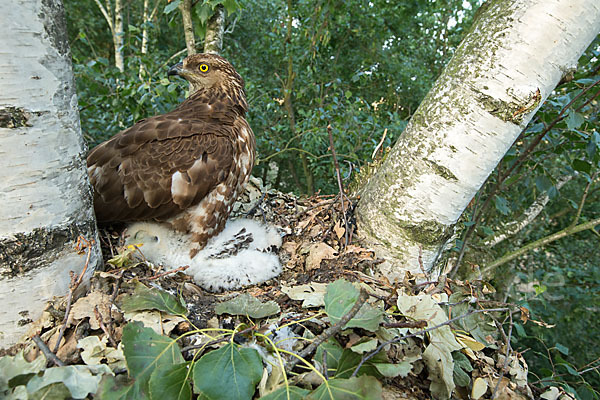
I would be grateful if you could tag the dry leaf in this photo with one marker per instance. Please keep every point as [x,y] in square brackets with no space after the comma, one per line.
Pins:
[312,294]
[469,342]
[339,229]
[480,387]
[84,308]
[318,252]
[163,324]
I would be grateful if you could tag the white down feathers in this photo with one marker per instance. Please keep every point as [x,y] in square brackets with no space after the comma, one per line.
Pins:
[242,254]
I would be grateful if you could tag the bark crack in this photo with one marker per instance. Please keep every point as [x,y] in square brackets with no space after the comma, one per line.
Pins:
[23,252]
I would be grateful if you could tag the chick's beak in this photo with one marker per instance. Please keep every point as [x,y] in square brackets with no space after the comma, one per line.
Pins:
[175,69]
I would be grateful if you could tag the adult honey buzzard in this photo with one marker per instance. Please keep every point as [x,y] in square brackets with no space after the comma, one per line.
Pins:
[185,168]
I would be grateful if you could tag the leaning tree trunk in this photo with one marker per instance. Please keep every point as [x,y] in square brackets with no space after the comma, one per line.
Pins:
[45,194]
[513,57]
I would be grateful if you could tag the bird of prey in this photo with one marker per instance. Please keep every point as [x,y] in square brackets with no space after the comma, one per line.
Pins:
[185,168]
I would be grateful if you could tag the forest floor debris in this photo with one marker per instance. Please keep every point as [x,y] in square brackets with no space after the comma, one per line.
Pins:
[142,328]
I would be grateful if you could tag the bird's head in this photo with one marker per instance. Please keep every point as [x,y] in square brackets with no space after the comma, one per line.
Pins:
[205,71]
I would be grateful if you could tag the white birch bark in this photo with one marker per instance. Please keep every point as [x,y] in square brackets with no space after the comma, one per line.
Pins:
[215,28]
[513,57]
[119,36]
[529,215]
[147,16]
[45,195]
[188,26]
[114,19]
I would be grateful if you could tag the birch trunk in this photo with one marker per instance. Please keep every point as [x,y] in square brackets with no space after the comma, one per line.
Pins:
[188,26]
[114,19]
[215,28]
[513,57]
[147,16]
[119,36]
[45,194]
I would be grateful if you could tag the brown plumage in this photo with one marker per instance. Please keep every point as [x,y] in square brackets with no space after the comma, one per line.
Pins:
[186,167]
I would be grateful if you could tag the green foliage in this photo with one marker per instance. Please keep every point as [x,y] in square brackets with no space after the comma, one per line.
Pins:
[361,67]
[147,353]
[145,298]
[341,295]
[229,372]
[246,304]
[20,379]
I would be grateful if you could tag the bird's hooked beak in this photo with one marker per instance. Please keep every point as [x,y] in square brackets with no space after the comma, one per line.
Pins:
[176,69]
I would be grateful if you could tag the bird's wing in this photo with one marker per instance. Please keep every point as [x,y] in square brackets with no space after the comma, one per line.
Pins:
[159,167]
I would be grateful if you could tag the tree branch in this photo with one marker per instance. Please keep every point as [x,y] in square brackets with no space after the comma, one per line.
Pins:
[541,242]
[514,227]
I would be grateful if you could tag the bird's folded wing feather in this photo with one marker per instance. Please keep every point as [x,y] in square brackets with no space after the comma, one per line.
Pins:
[159,167]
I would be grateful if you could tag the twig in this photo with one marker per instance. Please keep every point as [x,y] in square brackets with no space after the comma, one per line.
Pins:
[75,282]
[332,330]
[112,341]
[421,260]
[583,198]
[408,324]
[321,204]
[379,144]
[257,205]
[508,348]
[112,300]
[340,184]
[324,363]
[216,341]
[172,271]
[399,338]
[539,243]
[49,355]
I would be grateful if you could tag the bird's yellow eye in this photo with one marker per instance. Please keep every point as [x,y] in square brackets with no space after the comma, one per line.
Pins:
[203,67]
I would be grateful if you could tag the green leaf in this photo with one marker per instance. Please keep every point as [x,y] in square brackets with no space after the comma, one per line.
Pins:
[581,165]
[388,370]
[334,353]
[543,183]
[246,304]
[562,349]
[350,360]
[341,295]
[571,370]
[228,373]
[289,393]
[502,205]
[171,6]
[54,391]
[144,298]
[365,345]
[146,350]
[231,6]
[520,330]
[592,144]
[81,380]
[574,120]
[11,367]
[360,387]
[462,366]
[171,382]
[116,388]
[204,12]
